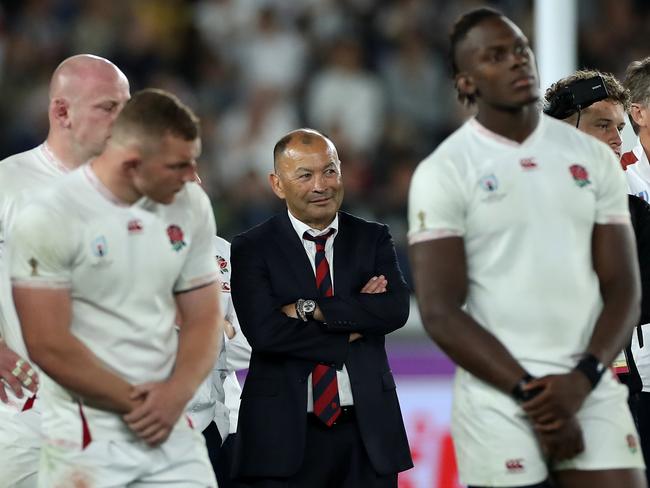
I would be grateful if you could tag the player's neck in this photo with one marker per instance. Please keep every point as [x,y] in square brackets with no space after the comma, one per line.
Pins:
[515,125]
[644,138]
[64,153]
[114,179]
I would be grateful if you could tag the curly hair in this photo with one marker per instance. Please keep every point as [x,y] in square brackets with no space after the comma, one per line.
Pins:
[615,90]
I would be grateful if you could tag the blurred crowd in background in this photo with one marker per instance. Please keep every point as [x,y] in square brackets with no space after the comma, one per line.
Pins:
[372,74]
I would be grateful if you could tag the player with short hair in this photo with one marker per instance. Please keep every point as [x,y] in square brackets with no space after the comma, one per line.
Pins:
[512,222]
[635,162]
[86,94]
[100,263]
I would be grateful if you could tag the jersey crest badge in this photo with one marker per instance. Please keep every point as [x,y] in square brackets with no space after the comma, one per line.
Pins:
[489,183]
[580,175]
[175,234]
[100,247]
[223,264]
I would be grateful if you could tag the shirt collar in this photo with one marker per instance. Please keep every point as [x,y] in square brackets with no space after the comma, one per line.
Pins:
[301,227]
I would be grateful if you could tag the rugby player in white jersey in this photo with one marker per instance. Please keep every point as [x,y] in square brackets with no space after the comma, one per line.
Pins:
[512,223]
[636,162]
[86,94]
[214,410]
[100,263]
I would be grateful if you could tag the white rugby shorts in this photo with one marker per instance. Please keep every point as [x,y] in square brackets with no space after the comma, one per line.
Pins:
[496,446]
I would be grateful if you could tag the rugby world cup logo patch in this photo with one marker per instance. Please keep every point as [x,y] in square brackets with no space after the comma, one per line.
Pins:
[489,183]
[580,175]
[175,234]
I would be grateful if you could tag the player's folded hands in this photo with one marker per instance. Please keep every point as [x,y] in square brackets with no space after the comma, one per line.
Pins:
[562,443]
[16,373]
[161,406]
[560,397]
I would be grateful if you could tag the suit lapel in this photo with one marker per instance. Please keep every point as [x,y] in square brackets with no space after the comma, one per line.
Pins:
[343,257]
[294,254]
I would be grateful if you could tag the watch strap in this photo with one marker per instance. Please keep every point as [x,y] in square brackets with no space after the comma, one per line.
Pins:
[592,368]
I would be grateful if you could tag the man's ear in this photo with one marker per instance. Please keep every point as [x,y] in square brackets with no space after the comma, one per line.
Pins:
[640,115]
[60,112]
[276,185]
[465,85]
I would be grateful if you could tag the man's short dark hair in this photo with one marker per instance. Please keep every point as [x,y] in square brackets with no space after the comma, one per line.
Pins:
[637,81]
[615,91]
[153,113]
[461,27]
[306,134]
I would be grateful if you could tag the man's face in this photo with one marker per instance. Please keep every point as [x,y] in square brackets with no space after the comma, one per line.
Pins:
[604,120]
[308,178]
[497,65]
[93,110]
[164,172]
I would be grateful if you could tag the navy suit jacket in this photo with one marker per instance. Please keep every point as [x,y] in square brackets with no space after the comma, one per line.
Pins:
[270,268]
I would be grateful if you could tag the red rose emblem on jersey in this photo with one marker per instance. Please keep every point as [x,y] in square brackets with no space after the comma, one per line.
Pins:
[580,175]
[175,234]
[223,264]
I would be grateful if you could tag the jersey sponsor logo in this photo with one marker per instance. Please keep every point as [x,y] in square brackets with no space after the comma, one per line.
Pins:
[175,234]
[580,175]
[222,263]
[100,247]
[225,286]
[489,183]
[528,163]
[135,226]
[515,465]
[643,195]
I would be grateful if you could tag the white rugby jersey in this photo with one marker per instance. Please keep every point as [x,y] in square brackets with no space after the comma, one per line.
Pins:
[526,214]
[637,171]
[122,265]
[22,176]
[209,403]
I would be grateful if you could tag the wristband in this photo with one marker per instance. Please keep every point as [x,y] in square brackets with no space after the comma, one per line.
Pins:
[591,367]
[519,394]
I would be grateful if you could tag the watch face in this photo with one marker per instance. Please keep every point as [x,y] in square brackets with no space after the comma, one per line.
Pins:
[309,306]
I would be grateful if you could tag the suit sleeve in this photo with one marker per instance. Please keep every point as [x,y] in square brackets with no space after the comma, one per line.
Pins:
[372,314]
[267,329]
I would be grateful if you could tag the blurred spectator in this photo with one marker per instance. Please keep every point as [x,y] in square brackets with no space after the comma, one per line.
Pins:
[370,73]
[346,101]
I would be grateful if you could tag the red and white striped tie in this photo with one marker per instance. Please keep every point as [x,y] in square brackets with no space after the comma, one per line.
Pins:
[327,406]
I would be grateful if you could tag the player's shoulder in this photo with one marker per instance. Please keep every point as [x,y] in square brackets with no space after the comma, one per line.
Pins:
[450,153]
[221,246]
[14,167]
[569,138]
[192,195]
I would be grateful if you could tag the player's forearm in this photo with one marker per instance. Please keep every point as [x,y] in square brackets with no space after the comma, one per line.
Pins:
[619,316]
[73,366]
[473,348]
[198,346]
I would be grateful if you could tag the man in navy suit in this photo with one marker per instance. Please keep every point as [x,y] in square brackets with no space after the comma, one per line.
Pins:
[316,290]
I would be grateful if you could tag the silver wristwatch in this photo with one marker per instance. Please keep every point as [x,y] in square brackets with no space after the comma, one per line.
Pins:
[305,309]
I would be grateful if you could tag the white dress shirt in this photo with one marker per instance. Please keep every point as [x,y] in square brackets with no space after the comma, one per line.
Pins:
[342,377]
